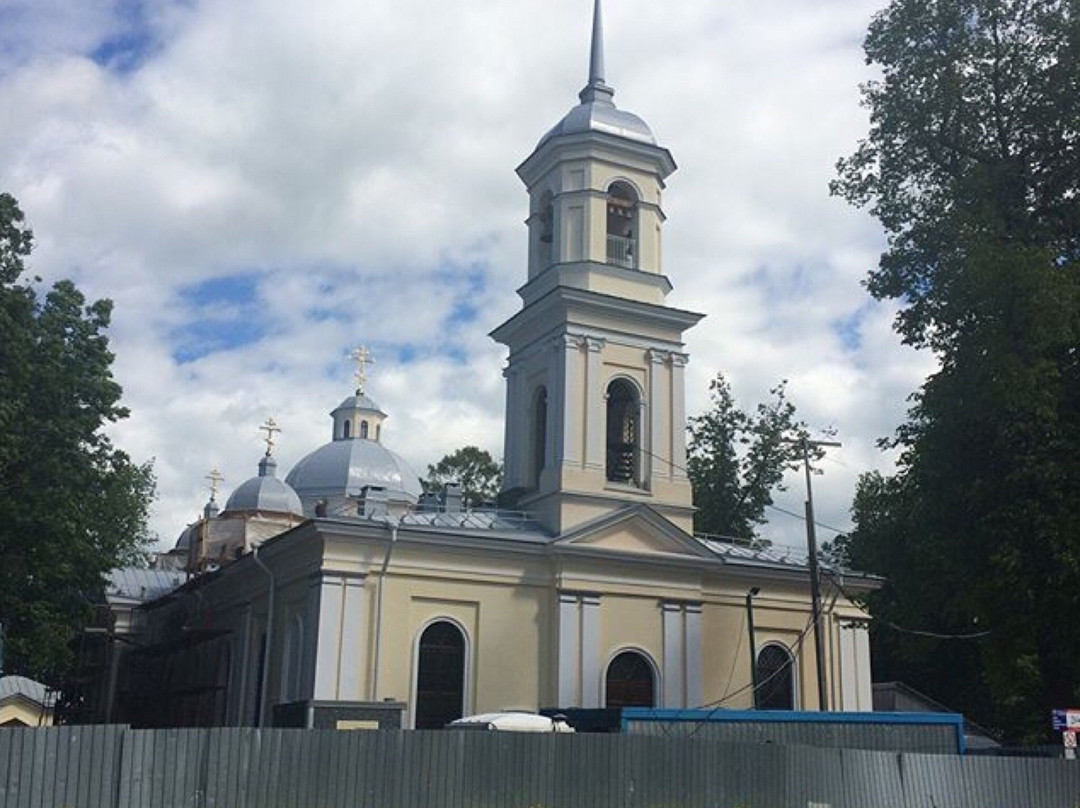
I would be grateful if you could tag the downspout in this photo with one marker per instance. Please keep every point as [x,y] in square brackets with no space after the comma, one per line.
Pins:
[378,609]
[265,683]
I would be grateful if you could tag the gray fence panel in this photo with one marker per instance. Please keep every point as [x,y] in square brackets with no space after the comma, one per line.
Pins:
[57,766]
[115,767]
[930,782]
[885,737]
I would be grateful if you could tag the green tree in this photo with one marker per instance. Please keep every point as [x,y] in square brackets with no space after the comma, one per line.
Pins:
[972,165]
[72,507]
[478,473]
[736,459]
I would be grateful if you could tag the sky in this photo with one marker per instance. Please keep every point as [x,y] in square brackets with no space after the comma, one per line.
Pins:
[262,185]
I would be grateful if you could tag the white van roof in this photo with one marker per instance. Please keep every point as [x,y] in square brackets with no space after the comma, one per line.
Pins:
[512,722]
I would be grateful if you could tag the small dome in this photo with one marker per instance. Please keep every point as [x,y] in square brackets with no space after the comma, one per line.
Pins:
[265,493]
[343,468]
[600,115]
[359,402]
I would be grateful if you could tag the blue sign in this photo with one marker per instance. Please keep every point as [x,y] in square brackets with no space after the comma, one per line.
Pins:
[1065,720]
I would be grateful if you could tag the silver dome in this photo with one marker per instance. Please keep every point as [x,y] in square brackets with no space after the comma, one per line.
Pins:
[601,115]
[343,468]
[265,493]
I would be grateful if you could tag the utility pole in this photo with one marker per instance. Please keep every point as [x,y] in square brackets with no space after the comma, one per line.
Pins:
[815,571]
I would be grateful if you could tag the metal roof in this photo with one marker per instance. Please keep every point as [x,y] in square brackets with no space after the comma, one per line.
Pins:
[136,583]
[27,688]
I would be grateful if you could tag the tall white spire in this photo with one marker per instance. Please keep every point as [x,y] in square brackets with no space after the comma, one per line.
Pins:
[596,89]
[596,54]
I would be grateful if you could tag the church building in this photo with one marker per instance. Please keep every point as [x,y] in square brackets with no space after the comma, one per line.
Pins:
[341,596]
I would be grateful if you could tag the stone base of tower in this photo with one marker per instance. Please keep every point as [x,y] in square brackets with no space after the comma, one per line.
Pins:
[564,509]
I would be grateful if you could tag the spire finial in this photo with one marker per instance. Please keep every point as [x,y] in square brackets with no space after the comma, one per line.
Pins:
[596,89]
[270,427]
[215,478]
[362,356]
[596,54]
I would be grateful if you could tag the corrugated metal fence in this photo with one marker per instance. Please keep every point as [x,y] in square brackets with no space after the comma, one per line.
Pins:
[116,767]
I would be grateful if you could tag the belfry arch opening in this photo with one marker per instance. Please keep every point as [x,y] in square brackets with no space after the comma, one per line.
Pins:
[547,228]
[622,216]
[623,432]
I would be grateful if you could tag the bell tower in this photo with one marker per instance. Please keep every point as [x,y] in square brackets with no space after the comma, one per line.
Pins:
[595,416]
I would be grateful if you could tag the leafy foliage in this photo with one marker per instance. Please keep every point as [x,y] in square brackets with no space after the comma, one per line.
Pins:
[479,474]
[72,507]
[736,459]
[972,164]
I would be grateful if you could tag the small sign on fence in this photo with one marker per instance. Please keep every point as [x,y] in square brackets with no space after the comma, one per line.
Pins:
[1065,719]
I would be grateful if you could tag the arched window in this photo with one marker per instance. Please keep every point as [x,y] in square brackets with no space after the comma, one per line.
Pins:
[629,681]
[378,431]
[621,225]
[539,448]
[440,675]
[363,429]
[623,432]
[547,228]
[776,678]
[346,429]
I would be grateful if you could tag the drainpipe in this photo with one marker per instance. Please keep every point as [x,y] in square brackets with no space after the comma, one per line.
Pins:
[378,609]
[264,685]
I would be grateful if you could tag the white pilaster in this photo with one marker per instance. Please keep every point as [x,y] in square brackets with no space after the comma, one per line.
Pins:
[569,650]
[351,662]
[657,455]
[678,416]
[692,643]
[590,651]
[856,691]
[513,459]
[567,451]
[594,399]
[327,592]
[674,655]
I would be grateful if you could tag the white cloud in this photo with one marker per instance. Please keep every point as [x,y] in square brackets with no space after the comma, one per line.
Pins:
[357,161]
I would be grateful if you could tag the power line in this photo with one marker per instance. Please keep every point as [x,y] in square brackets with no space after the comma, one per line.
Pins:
[936,635]
[686,471]
[802,518]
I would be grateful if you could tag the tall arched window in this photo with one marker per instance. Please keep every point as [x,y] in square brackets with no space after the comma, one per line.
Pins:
[539,448]
[621,225]
[346,428]
[623,432]
[776,678]
[363,429]
[440,675]
[629,681]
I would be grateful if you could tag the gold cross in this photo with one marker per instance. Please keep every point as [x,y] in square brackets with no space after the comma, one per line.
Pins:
[362,356]
[215,477]
[270,427]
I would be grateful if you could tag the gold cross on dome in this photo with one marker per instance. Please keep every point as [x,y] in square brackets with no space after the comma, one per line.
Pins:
[270,427]
[362,356]
[216,478]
